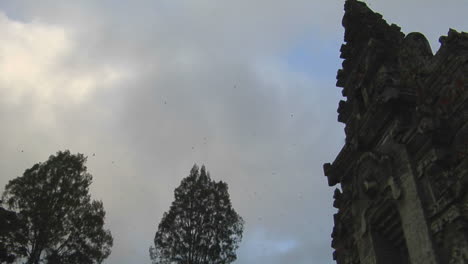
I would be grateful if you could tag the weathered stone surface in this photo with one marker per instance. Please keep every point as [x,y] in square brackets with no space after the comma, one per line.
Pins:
[403,170]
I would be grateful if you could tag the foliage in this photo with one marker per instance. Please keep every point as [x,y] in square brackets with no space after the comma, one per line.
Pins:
[11,239]
[201,227]
[62,223]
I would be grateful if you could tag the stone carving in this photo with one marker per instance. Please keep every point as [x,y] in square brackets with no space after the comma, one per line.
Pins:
[395,187]
[448,217]
[338,196]
[455,244]
[372,172]
[412,202]
[460,143]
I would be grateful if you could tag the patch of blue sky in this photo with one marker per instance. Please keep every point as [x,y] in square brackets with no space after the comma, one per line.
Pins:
[261,244]
[318,58]
[8,9]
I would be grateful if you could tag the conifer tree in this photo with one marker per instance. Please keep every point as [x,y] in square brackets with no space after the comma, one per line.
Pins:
[201,227]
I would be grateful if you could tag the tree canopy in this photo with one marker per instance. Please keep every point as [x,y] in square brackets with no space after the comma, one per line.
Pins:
[11,239]
[61,222]
[201,227]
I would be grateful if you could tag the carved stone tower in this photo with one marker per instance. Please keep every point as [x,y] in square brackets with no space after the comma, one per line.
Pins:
[403,170]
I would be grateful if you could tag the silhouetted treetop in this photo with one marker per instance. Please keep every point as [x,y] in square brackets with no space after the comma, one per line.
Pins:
[201,227]
[62,223]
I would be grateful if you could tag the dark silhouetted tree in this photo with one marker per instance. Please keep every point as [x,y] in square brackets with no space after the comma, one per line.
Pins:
[61,222]
[11,236]
[201,227]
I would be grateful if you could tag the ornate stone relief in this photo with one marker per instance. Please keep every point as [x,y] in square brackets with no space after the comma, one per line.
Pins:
[401,99]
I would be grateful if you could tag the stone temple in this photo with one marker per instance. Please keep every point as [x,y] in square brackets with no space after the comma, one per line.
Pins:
[403,170]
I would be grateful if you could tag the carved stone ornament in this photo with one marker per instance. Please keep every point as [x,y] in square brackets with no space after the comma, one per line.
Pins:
[456,244]
[372,174]
[395,188]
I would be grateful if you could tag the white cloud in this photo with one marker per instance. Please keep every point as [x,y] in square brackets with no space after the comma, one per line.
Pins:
[28,55]
[35,65]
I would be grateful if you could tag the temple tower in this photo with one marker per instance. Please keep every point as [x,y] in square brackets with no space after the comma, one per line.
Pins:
[403,170]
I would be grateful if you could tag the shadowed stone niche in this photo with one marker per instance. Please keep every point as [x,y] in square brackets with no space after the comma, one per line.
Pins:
[403,171]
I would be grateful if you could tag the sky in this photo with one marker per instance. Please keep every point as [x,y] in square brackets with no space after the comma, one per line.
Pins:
[146,89]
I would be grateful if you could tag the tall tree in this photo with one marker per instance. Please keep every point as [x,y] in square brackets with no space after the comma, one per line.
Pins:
[201,227]
[62,223]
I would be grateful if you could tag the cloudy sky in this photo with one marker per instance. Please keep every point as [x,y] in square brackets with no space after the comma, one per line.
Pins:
[246,87]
